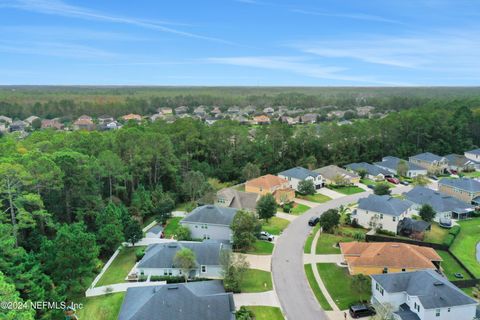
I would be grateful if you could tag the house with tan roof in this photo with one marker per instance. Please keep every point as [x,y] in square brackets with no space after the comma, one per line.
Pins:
[388,257]
[263,119]
[132,116]
[84,123]
[269,183]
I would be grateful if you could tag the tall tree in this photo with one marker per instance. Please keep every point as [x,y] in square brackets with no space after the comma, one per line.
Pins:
[402,168]
[427,213]
[133,231]
[109,229]
[266,207]
[8,294]
[250,171]
[186,261]
[245,227]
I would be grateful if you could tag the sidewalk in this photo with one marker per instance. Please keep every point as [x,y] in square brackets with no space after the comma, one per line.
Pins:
[286,216]
[330,193]
[261,262]
[267,298]
[307,203]
[322,258]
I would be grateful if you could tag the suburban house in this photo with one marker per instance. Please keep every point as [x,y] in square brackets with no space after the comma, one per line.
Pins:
[338,176]
[391,164]
[6,119]
[182,301]
[460,163]
[373,172]
[18,125]
[446,206]
[104,119]
[381,212]
[52,124]
[215,111]
[297,174]
[84,123]
[132,116]
[432,162]
[159,259]
[474,155]
[165,111]
[422,295]
[465,189]
[387,257]
[232,198]
[113,125]
[277,186]
[181,110]
[414,229]
[262,119]
[268,110]
[289,120]
[31,119]
[309,118]
[210,222]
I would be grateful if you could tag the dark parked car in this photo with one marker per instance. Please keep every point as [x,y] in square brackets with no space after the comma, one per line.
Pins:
[313,221]
[371,186]
[360,311]
[393,180]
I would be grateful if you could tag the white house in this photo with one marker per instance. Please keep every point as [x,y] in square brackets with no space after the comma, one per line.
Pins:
[474,155]
[381,212]
[297,174]
[210,222]
[159,259]
[373,172]
[391,164]
[422,295]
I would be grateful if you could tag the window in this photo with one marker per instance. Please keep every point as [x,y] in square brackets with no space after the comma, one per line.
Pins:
[381,215]
[204,269]
[385,270]
[165,272]
[403,270]
[377,287]
[394,218]
[170,272]
[448,309]
[437,312]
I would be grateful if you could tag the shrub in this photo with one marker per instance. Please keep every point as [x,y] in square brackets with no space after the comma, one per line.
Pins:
[359,236]
[175,279]
[355,224]
[139,253]
[449,240]
[454,231]
[386,232]
[142,278]
[287,208]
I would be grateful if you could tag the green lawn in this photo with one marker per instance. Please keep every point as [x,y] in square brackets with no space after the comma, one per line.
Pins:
[374,183]
[451,266]
[185,206]
[266,313]
[299,208]
[315,288]
[239,187]
[339,284]
[326,241]
[148,220]
[469,291]
[171,227]
[256,280]
[106,307]
[347,190]
[261,247]
[436,235]
[317,197]
[308,243]
[120,267]
[473,174]
[275,225]
[464,246]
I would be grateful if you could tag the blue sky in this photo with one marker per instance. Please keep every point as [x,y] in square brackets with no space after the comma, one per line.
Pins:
[240,42]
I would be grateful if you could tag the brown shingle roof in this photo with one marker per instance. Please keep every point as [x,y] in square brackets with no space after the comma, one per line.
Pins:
[389,254]
[267,181]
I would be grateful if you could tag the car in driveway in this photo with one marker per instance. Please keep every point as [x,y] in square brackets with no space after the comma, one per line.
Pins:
[360,311]
[313,221]
[405,183]
[264,235]
[393,180]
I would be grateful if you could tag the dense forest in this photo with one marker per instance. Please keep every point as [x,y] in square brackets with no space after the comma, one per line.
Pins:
[70,198]
[19,102]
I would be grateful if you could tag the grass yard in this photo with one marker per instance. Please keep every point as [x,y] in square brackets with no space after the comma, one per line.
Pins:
[347,190]
[275,225]
[464,246]
[239,187]
[317,197]
[436,235]
[299,208]
[473,174]
[256,280]
[451,266]
[171,227]
[106,307]
[326,241]
[147,221]
[120,267]
[261,247]
[339,285]
[308,243]
[374,183]
[315,288]
[266,313]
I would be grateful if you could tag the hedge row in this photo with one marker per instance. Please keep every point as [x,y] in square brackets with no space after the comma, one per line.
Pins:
[452,234]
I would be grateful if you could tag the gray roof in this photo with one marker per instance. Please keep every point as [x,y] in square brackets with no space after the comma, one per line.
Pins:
[370,168]
[407,315]
[239,199]
[432,289]
[212,215]
[161,255]
[384,204]
[458,160]
[392,164]
[299,173]
[474,151]
[332,171]
[408,224]
[427,156]
[440,202]
[470,185]
[202,300]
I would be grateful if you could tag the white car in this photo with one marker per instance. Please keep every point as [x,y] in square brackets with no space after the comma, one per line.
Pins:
[264,235]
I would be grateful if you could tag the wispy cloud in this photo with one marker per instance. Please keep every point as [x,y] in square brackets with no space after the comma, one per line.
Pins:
[60,8]
[297,65]
[354,16]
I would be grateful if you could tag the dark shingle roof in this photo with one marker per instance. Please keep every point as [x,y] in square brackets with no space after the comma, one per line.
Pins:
[470,185]
[384,204]
[474,151]
[427,156]
[203,300]
[332,171]
[370,168]
[161,255]
[457,160]
[299,173]
[239,199]
[392,164]
[432,290]
[212,215]
[440,202]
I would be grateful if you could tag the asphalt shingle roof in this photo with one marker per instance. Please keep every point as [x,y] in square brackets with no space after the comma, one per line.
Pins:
[332,171]
[299,173]
[474,151]
[212,215]
[384,204]
[457,160]
[203,300]
[470,185]
[427,156]
[432,289]
[440,202]
[392,164]
[370,168]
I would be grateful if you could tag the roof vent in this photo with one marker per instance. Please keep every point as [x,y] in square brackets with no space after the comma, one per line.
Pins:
[438,283]
[209,206]
[172,245]
[172,288]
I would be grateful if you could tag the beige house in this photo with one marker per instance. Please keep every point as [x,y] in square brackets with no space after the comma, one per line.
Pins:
[465,189]
[277,186]
[433,163]
[338,176]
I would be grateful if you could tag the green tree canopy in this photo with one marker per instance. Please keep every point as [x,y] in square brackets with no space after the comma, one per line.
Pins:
[266,207]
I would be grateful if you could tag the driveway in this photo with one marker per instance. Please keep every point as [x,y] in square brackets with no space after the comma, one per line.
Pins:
[330,193]
[267,298]
[261,262]
[291,285]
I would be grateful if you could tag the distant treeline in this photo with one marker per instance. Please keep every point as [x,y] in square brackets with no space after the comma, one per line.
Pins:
[50,102]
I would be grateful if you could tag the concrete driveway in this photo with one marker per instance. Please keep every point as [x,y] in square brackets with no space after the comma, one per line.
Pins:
[291,285]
